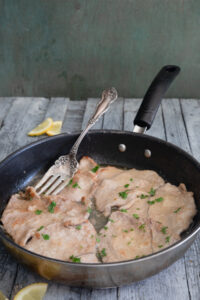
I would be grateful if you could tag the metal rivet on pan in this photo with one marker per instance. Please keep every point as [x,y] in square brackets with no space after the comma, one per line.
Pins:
[147,153]
[122,147]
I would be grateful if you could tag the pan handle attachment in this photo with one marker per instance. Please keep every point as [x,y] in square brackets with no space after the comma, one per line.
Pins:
[153,97]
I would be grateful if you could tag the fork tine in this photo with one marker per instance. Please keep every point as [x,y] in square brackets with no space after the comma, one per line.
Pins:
[43,180]
[54,186]
[59,188]
[48,184]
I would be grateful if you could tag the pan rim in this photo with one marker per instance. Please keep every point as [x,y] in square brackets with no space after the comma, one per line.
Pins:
[110,264]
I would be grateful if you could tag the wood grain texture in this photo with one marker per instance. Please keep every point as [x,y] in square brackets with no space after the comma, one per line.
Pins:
[177,121]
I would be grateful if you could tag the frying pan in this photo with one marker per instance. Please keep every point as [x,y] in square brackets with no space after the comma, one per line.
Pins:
[123,149]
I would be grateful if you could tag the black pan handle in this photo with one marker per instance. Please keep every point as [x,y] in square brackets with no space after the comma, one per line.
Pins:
[154,95]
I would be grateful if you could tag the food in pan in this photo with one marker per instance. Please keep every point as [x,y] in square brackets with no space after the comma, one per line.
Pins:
[142,215]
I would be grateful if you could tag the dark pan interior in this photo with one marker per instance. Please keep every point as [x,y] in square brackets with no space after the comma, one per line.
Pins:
[173,164]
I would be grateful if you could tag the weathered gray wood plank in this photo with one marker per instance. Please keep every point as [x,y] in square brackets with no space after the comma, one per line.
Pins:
[113,119]
[175,123]
[22,115]
[74,116]
[191,113]
[5,105]
[89,111]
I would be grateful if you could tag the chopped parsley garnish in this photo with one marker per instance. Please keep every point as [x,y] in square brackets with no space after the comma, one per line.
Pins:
[75,259]
[126,185]
[46,237]
[160,246]
[76,185]
[137,208]
[142,227]
[177,210]
[70,182]
[104,235]
[78,227]
[123,194]
[123,210]
[111,220]
[92,236]
[142,196]
[159,199]
[125,230]
[30,198]
[89,210]
[164,230]
[98,240]
[40,228]
[131,179]
[103,252]
[113,235]
[132,229]
[136,216]
[105,227]
[128,243]
[152,192]
[95,169]
[137,257]
[151,202]
[38,212]
[51,207]
[167,239]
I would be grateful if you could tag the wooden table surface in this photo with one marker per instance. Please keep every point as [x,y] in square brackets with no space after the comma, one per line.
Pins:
[177,121]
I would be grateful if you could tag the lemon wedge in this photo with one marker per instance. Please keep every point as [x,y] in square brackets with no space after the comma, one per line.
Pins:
[35,291]
[55,128]
[42,127]
[2,297]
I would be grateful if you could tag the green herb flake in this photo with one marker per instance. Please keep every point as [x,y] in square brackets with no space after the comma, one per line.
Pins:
[89,210]
[103,252]
[159,199]
[129,243]
[125,230]
[98,240]
[126,185]
[40,228]
[113,235]
[132,229]
[177,210]
[137,257]
[75,259]
[137,208]
[164,229]
[105,227]
[51,207]
[136,216]
[151,202]
[104,235]
[38,212]
[160,246]
[123,210]
[45,237]
[142,227]
[95,169]
[70,182]
[142,196]
[76,185]
[78,227]
[131,179]
[123,194]
[152,192]
[111,220]
[167,239]
[92,235]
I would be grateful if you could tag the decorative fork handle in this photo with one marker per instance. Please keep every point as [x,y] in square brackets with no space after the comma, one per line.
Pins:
[108,97]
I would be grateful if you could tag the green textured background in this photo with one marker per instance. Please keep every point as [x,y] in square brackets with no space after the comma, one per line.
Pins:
[77,48]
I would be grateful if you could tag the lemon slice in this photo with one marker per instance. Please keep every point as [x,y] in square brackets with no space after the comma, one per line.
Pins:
[35,291]
[55,128]
[2,297]
[42,127]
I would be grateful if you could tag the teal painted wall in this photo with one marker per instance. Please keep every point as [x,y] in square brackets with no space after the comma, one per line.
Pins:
[77,48]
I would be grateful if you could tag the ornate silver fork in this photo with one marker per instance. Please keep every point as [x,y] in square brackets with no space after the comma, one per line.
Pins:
[58,175]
